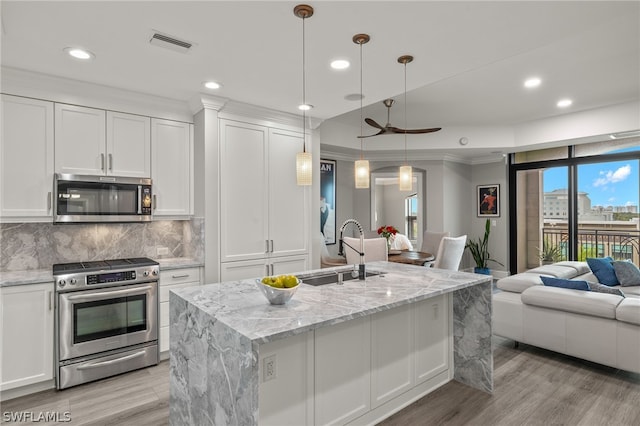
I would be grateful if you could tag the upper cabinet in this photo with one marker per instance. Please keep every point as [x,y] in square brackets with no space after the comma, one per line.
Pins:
[26,158]
[91,141]
[172,168]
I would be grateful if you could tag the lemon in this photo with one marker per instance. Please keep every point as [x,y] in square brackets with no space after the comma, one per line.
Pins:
[278,282]
[290,281]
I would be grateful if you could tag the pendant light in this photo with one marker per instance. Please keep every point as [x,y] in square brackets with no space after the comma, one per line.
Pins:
[361,166]
[406,173]
[303,159]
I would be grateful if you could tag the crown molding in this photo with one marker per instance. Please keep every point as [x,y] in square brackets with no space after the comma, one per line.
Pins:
[203,101]
[246,112]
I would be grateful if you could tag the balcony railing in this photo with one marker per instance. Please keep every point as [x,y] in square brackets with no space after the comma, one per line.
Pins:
[620,245]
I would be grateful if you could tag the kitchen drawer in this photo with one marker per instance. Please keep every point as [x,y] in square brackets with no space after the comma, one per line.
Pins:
[177,276]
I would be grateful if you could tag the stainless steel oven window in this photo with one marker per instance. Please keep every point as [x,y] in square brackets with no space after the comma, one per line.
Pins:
[110,317]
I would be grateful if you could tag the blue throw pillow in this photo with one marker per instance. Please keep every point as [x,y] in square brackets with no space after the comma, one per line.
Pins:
[562,283]
[602,268]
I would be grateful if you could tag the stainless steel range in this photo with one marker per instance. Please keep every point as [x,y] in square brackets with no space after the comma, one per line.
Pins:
[106,318]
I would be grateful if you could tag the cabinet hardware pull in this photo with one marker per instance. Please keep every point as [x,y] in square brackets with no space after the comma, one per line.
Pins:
[49,201]
[155,202]
[266,269]
[266,247]
[110,162]
[101,161]
[180,276]
[50,297]
[271,242]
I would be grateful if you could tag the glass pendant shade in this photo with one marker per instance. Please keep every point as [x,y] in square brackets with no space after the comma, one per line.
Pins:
[304,174]
[362,173]
[406,178]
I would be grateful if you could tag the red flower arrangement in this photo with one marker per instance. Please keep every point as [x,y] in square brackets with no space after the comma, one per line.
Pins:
[387,231]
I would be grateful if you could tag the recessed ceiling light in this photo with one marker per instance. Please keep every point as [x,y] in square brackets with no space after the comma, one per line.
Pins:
[532,82]
[79,53]
[212,85]
[340,64]
[305,107]
[564,103]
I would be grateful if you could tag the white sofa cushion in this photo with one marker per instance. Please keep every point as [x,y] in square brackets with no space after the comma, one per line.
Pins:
[631,291]
[629,311]
[580,267]
[555,270]
[576,301]
[519,282]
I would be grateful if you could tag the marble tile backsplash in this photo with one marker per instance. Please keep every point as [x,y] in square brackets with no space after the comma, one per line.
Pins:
[25,246]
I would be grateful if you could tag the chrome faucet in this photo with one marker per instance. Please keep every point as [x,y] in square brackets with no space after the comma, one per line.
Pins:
[361,267]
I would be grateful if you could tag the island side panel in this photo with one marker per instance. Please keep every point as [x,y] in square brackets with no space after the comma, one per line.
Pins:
[213,370]
[472,349]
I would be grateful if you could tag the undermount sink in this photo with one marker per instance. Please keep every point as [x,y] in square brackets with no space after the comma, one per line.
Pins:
[322,278]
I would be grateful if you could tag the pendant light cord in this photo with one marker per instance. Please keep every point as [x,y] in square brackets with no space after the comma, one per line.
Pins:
[361,97]
[304,94]
[405,113]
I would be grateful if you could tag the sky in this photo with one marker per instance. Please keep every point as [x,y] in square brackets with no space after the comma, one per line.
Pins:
[606,184]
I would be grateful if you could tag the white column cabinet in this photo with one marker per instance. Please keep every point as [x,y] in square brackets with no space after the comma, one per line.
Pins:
[26,334]
[263,212]
[26,156]
[92,141]
[172,168]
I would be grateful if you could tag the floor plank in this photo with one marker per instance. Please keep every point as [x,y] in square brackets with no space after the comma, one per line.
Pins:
[532,387]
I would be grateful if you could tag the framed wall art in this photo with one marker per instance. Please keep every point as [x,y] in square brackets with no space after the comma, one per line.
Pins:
[328,200]
[488,200]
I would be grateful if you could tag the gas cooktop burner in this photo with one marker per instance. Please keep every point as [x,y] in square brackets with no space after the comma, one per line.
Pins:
[99,265]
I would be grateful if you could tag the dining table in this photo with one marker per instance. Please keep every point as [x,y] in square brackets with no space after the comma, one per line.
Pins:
[410,257]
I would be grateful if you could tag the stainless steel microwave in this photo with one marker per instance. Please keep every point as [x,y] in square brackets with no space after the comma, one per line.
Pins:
[83,198]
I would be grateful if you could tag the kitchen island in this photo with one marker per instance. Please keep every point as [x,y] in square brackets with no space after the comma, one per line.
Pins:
[350,353]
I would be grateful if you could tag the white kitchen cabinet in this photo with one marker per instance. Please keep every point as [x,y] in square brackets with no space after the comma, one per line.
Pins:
[172,168]
[128,145]
[91,141]
[391,354]
[431,335]
[244,269]
[27,334]
[173,279]
[263,212]
[342,371]
[26,159]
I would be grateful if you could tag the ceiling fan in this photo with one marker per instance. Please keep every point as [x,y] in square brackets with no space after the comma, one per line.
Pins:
[389,129]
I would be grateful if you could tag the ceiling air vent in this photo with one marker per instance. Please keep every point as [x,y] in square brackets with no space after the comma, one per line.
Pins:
[170,42]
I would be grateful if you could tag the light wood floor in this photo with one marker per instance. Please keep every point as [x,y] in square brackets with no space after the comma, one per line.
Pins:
[532,387]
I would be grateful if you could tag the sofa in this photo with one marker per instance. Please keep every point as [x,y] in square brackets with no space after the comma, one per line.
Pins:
[598,327]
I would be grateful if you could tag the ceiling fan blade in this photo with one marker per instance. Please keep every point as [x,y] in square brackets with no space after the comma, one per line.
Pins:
[372,123]
[381,132]
[414,131]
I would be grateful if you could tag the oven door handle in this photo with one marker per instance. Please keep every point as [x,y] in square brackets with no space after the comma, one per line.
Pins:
[111,361]
[101,295]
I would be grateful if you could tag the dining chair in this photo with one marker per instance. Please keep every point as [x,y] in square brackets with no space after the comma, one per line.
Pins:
[450,253]
[431,243]
[374,249]
[327,261]
[401,242]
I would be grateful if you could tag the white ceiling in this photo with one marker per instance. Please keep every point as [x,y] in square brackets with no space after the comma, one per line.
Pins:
[471,58]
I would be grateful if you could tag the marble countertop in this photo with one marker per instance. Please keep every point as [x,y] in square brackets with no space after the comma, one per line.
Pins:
[37,276]
[243,308]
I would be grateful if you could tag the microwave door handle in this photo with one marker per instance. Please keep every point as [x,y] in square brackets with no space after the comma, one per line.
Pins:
[111,361]
[102,295]
[139,199]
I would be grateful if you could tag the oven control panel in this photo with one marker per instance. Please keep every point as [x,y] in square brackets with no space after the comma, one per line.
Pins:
[79,281]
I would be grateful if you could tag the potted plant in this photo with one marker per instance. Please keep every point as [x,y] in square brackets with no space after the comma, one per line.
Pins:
[480,251]
[550,253]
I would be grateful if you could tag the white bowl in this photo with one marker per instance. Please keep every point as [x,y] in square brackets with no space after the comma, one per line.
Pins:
[275,295]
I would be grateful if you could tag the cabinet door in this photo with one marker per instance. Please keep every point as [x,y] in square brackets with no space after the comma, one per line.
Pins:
[243,191]
[172,280]
[288,213]
[391,354]
[342,377]
[288,264]
[242,270]
[128,145]
[27,335]
[26,158]
[80,140]
[431,337]
[171,167]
